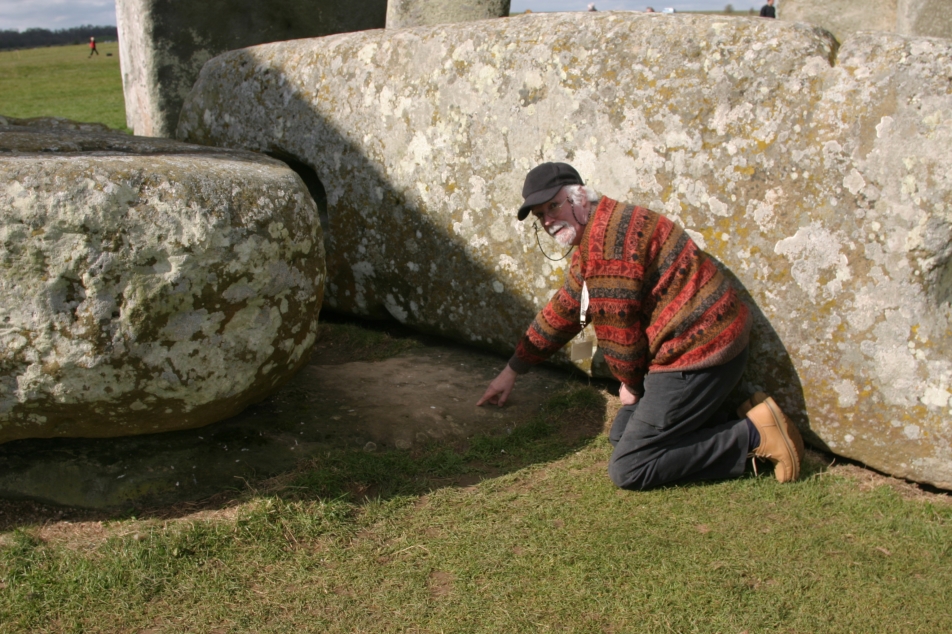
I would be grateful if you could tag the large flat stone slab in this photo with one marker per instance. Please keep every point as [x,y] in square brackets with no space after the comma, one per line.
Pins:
[817,174]
[147,285]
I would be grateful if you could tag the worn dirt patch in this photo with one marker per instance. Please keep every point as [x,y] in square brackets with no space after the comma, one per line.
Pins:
[867,480]
[441,584]
[350,396]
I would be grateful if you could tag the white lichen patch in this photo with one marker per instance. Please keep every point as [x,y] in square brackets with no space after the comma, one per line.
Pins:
[936,396]
[698,238]
[846,393]
[811,252]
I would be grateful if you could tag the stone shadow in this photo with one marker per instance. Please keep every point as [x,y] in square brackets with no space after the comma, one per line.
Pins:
[425,393]
[273,437]
[770,368]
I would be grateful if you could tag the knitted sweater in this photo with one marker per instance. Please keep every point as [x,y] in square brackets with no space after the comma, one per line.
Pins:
[657,302]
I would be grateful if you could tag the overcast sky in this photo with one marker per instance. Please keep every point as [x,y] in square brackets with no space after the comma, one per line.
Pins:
[61,14]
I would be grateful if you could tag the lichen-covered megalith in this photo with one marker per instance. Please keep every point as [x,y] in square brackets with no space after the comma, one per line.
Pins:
[407,13]
[924,18]
[820,177]
[147,285]
[163,43]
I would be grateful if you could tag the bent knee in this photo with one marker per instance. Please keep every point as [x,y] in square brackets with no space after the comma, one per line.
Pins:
[631,473]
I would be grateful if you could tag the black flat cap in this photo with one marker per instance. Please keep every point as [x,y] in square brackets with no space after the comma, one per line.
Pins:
[543,182]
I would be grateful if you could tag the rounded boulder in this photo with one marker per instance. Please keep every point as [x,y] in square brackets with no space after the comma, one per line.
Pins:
[147,285]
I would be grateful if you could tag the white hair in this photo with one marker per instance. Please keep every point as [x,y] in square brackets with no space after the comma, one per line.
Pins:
[580,193]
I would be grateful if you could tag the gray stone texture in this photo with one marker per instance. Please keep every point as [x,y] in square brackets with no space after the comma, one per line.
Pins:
[164,43]
[55,123]
[408,13]
[145,284]
[929,18]
[821,179]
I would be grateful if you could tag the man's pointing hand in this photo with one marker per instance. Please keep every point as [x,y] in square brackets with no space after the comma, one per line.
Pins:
[498,391]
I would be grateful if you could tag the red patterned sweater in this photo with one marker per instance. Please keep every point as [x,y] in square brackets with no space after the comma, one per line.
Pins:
[657,302]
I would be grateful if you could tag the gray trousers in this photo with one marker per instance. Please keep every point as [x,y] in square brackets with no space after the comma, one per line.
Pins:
[678,431]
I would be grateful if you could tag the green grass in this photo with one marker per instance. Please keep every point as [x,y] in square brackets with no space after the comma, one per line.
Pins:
[351,342]
[550,547]
[63,81]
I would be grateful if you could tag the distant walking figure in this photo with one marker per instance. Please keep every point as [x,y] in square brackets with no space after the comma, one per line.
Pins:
[768,10]
[92,45]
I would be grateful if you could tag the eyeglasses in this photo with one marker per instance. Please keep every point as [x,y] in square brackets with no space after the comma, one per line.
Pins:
[551,209]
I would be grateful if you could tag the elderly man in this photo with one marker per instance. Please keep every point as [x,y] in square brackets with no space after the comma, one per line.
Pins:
[672,329]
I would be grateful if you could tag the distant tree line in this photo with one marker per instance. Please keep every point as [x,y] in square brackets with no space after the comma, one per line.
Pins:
[33,38]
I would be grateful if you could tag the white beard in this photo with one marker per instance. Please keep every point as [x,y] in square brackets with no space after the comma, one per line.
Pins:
[567,234]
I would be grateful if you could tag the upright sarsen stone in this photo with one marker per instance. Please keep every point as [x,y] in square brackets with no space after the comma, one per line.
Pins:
[818,175]
[147,285]
[928,18]
[407,13]
[923,18]
[163,43]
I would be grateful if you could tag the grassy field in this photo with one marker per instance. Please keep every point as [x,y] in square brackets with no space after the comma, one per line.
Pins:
[515,533]
[63,81]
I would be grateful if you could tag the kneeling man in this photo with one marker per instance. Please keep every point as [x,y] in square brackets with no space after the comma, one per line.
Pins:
[673,331]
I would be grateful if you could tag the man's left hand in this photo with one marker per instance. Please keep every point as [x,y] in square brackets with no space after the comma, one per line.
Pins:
[627,397]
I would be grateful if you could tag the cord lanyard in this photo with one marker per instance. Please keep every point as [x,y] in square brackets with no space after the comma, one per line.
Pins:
[582,350]
[583,312]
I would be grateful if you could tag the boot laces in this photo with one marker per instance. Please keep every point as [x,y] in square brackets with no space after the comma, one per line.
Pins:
[753,460]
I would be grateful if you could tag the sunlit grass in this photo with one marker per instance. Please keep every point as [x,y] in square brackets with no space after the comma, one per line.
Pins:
[552,546]
[63,81]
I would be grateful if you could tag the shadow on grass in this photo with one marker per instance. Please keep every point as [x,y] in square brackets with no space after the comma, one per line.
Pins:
[358,476]
[288,446]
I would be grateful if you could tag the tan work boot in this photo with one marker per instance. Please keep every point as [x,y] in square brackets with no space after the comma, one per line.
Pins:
[780,440]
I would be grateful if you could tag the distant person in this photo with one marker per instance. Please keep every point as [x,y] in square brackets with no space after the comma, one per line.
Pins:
[650,10]
[92,47]
[768,10]
[591,7]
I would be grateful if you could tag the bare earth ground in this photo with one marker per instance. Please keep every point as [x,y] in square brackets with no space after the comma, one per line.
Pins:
[424,394]
[71,488]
